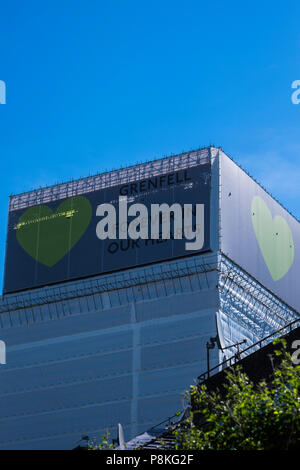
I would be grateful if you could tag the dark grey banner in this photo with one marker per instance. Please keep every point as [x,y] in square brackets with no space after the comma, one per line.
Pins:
[62,241]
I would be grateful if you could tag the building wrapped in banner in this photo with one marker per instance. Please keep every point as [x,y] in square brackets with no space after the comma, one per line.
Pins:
[106,331]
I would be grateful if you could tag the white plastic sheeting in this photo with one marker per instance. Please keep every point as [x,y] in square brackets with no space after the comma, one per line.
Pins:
[128,359]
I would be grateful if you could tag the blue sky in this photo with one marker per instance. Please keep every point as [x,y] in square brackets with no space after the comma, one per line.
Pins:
[98,84]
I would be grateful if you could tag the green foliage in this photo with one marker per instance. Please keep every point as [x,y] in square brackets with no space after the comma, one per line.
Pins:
[245,416]
[104,444]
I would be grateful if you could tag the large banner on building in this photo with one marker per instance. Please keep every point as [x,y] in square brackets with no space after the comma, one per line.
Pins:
[119,227]
[258,233]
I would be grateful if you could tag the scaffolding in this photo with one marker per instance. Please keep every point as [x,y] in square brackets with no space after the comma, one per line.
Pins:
[245,300]
[111,178]
[137,284]
[241,297]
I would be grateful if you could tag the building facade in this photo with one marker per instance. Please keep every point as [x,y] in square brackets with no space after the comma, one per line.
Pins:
[122,347]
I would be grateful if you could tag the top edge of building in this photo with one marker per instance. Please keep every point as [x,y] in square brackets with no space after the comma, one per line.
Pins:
[110,178]
[124,175]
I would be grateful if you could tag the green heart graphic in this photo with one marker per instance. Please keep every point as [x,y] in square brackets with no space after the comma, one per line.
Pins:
[274,237]
[48,236]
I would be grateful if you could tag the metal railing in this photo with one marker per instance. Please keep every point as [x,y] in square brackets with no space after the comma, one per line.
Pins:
[236,357]
[166,423]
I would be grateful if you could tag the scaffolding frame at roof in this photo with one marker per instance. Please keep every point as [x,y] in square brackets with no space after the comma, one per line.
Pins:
[110,178]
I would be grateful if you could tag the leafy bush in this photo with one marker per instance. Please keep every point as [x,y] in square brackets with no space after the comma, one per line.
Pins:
[246,416]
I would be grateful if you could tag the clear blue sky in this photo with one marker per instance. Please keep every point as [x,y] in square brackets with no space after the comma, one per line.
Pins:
[98,84]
